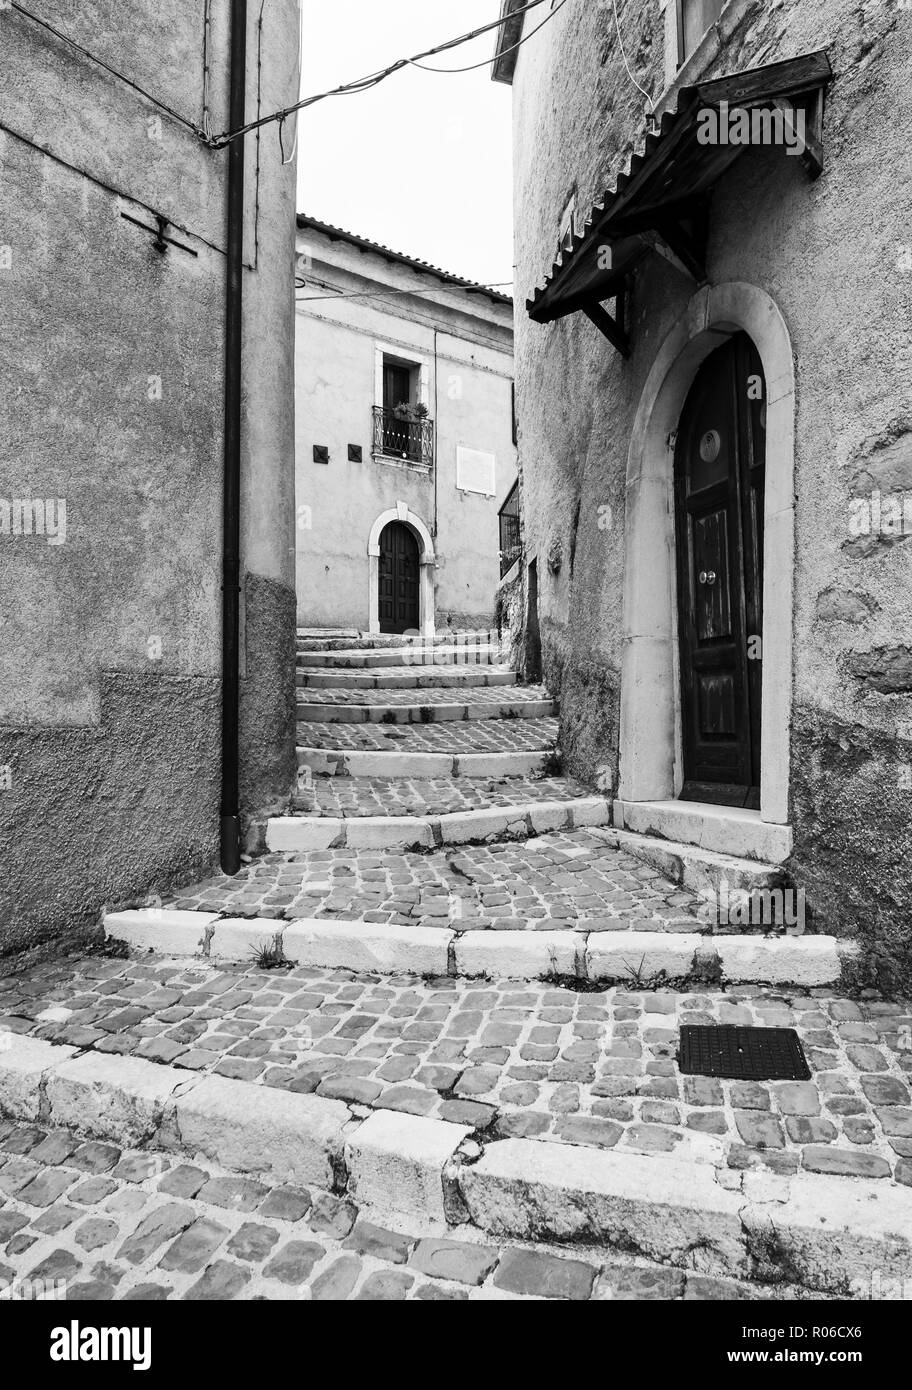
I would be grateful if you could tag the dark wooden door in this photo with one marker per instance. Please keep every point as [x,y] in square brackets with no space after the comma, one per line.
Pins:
[719,473]
[399,571]
[397,433]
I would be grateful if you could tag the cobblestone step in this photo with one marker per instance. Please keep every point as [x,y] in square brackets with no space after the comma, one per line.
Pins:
[341,762]
[529,951]
[89,1219]
[562,879]
[432,706]
[517,821]
[348,640]
[402,678]
[454,738]
[830,1220]
[428,796]
[418,657]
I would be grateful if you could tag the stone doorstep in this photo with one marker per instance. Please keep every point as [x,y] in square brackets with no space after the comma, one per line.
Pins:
[327,762]
[825,1233]
[605,957]
[445,678]
[419,713]
[728,830]
[702,871]
[523,820]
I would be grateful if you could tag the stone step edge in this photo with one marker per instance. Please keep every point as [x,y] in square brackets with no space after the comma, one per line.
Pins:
[828,1234]
[480,677]
[700,870]
[640,959]
[720,829]
[424,658]
[370,762]
[324,712]
[523,820]
[382,640]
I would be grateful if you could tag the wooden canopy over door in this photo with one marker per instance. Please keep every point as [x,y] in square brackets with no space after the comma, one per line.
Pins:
[661,204]
[719,478]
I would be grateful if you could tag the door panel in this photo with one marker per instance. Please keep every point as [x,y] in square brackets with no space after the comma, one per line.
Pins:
[719,472]
[399,574]
[711,571]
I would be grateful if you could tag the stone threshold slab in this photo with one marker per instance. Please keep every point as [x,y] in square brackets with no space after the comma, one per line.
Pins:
[728,830]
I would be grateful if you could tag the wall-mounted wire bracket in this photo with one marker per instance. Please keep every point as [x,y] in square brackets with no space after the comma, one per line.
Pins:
[161,242]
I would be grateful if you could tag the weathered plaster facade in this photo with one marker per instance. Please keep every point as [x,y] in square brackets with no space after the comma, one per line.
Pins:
[358,306]
[819,274]
[112,352]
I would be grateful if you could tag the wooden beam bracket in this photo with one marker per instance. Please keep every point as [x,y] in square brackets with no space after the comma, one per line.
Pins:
[613,328]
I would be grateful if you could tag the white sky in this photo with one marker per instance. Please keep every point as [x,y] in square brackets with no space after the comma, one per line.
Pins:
[422,162]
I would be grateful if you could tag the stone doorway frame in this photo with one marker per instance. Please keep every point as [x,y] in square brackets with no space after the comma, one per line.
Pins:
[651,763]
[427,562]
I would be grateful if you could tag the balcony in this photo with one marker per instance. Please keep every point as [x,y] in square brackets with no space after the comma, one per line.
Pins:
[510,532]
[403,439]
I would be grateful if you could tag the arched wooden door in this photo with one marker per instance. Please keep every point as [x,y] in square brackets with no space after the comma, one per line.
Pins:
[398,580]
[719,477]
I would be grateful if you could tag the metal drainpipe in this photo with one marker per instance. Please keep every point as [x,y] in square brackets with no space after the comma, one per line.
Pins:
[231,519]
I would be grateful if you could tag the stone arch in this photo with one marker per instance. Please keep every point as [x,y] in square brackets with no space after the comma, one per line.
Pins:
[650,733]
[427,562]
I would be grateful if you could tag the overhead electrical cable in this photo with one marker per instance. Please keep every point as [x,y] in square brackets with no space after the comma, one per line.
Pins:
[487,62]
[93,57]
[363,84]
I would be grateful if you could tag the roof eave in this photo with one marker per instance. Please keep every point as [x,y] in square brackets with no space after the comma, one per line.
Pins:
[447,280]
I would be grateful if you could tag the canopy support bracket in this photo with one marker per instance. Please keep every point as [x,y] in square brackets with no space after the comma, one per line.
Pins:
[613,328]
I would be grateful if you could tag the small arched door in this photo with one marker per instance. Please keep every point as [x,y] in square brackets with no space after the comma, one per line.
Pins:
[719,483]
[398,579]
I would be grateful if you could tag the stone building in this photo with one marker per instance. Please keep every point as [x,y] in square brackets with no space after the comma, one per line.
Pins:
[405,441]
[713,239]
[114,241]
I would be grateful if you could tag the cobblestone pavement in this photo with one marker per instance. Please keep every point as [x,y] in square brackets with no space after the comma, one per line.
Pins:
[565,879]
[431,796]
[511,1058]
[467,640]
[452,736]
[85,1220]
[429,698]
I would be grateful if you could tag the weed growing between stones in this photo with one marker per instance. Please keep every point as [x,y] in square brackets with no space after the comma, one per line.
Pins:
[270,955]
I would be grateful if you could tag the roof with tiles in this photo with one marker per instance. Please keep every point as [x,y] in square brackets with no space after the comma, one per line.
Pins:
[306,222]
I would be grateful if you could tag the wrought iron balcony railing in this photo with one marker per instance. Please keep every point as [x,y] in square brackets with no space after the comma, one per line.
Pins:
[395,437]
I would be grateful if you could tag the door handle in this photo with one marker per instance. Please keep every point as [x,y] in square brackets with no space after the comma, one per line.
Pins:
[707,576]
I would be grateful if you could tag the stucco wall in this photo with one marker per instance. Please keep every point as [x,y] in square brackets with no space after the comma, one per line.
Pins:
[828,253]
[113,357]
[465,346]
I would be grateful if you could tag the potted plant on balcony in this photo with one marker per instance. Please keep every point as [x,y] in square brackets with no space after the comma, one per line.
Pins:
[412,413]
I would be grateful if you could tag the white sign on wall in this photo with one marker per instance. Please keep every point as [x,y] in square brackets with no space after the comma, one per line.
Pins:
[475,471]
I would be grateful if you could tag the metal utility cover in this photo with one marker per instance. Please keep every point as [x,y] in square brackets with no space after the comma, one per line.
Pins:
[742,1054]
